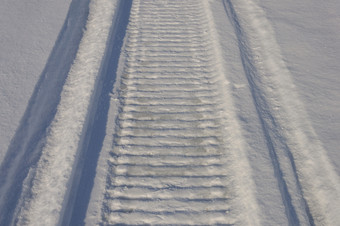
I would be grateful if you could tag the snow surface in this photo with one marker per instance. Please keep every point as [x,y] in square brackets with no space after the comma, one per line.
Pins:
[28,33]
[181,112]
[288,128]
[309,36]
[53,171]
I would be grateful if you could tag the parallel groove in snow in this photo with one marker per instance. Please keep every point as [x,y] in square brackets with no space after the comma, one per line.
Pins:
[168,164]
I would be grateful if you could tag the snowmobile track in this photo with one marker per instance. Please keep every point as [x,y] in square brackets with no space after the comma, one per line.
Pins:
[169,161]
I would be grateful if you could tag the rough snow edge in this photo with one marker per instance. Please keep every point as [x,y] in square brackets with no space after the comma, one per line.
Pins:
[319,181]
[54,168]
[247,210]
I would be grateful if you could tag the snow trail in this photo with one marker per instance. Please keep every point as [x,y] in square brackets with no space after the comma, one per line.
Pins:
[165,144]
[309,185]
[178,155]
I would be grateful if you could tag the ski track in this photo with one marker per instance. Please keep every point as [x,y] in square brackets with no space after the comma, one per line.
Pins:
[172,151]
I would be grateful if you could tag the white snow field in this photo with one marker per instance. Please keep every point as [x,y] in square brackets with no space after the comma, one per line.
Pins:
[169,112]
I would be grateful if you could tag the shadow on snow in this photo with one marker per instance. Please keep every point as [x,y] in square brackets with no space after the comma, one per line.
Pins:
[25,148]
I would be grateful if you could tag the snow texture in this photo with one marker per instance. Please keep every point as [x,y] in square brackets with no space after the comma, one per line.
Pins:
[169,112]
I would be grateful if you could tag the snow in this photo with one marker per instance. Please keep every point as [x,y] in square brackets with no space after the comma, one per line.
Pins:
[53,171]
[272,87]
[245,186]
[309,36]
[28,33]
[120,112]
